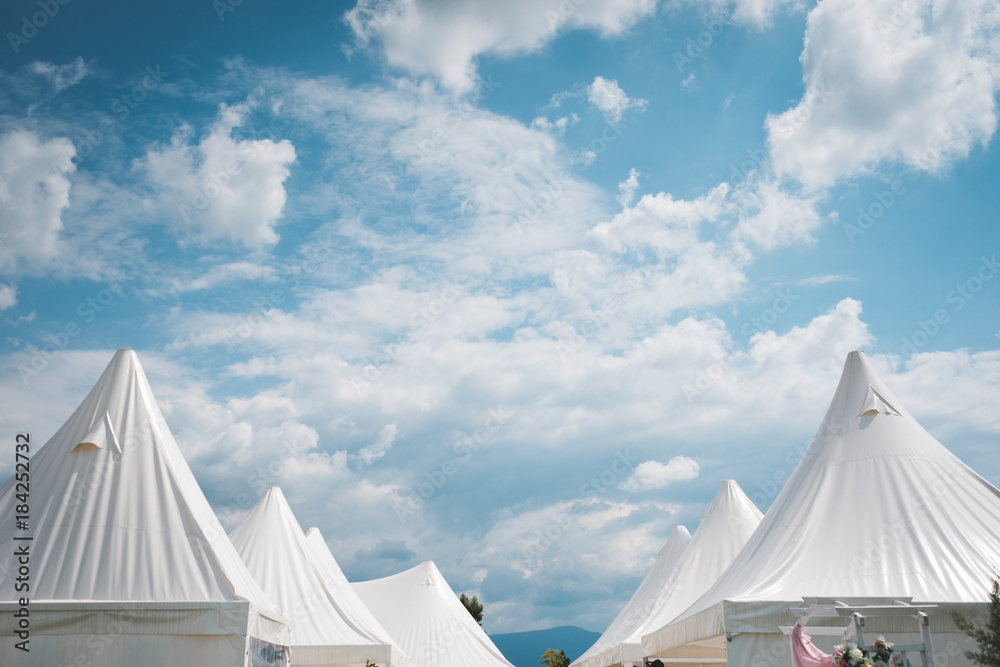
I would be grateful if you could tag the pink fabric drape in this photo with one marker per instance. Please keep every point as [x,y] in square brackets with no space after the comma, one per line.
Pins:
[804,653]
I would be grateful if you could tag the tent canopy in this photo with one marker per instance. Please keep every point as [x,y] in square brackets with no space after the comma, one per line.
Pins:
[607,650]
[329,623]
[120,526]
[875,508]
[726,526]
[427,619]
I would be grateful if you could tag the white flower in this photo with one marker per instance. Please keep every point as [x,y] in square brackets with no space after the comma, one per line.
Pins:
[856,654]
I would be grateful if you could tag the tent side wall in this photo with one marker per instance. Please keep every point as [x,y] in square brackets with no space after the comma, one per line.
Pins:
[155,634]
[341,655]
[752,637]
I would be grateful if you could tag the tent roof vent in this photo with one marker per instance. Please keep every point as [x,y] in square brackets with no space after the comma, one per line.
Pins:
[875,403]
[101,436]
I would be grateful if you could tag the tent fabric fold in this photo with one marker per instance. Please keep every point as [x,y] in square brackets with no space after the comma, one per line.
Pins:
[804,652]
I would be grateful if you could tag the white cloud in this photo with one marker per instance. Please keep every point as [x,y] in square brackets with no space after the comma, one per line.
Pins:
[217,275]
[669,225]
[608,97]
[8,296]
[379,448]
[555,127]
[34,192]
[62,76]
[627,188]
[771,216]
[222,187]
[656,475]
[444,39]
[759,13]
[884,83]
[826,279]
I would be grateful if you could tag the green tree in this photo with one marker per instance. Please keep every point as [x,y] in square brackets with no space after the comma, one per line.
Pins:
[554,658]
[987,637]
[474,607]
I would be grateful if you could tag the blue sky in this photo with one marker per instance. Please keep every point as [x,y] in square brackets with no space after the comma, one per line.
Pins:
[509,286]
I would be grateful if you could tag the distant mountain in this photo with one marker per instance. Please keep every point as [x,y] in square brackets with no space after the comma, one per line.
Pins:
[525,649]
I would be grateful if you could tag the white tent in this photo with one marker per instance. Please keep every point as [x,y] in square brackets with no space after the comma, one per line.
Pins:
[128,563]
[327,563]
[427,619]
[329,623]
[876,508]
[724,529]
[610,649]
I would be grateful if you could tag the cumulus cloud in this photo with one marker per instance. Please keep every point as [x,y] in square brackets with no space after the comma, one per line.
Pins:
[608,97]
[222,187]
[34,193]
[444,39]
[62,76]
[656,475]
[912,82]
[771,215]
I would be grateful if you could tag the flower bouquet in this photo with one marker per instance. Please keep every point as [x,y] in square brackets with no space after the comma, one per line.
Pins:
[850,655]
[883,655]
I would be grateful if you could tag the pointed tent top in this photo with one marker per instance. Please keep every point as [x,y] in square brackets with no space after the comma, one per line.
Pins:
[728,523]
[609,649]
[422,612]
[324,558]
[733,507]
[125,494]
[923,524]
[325,611]
[677,541]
